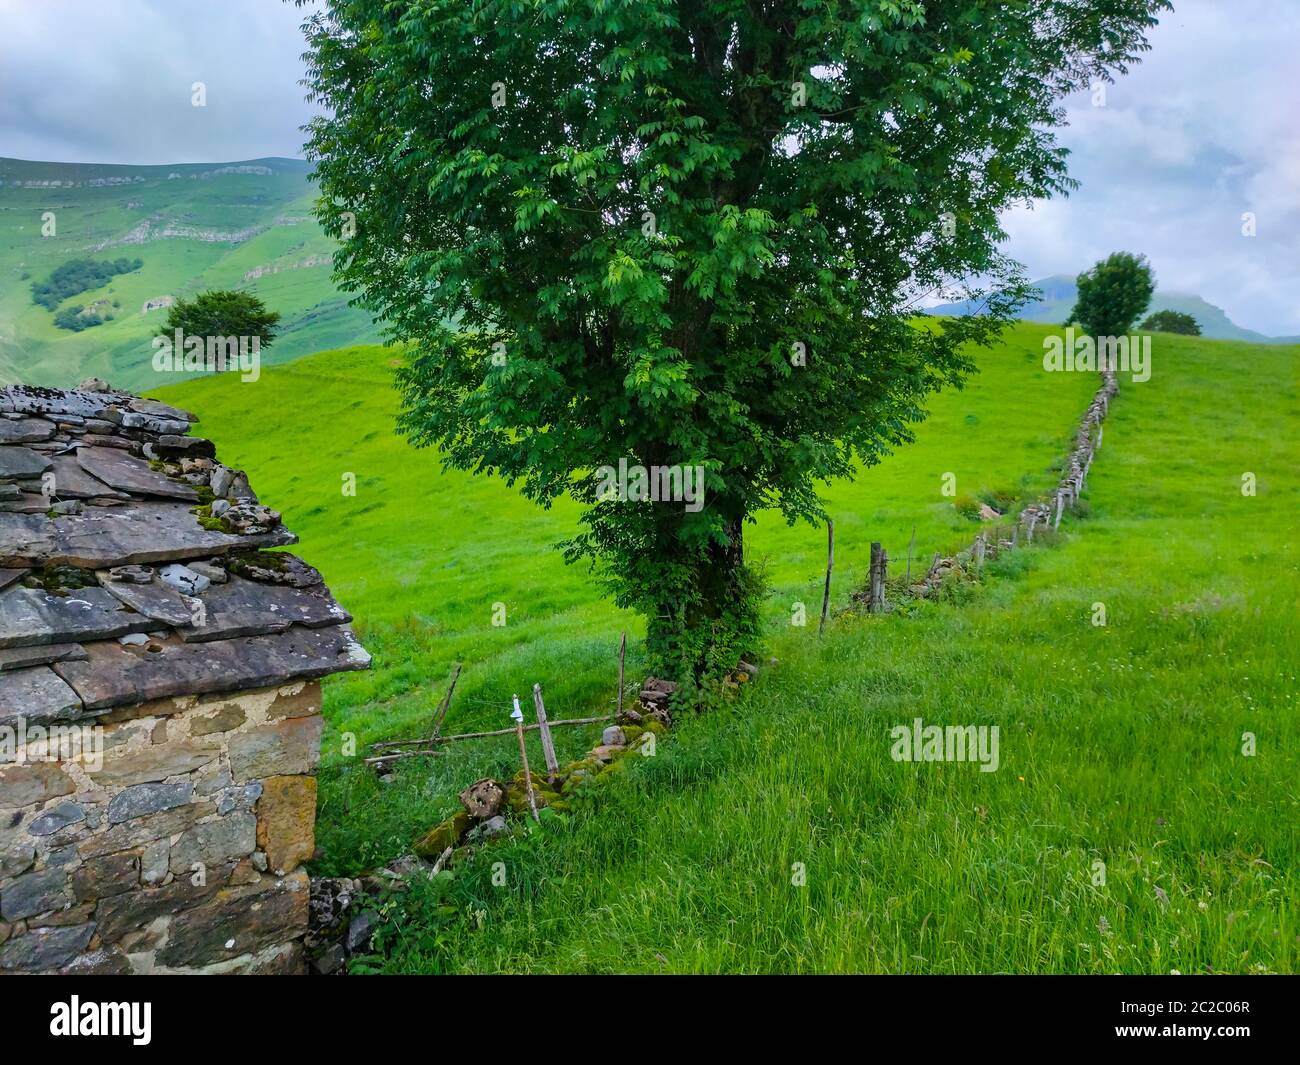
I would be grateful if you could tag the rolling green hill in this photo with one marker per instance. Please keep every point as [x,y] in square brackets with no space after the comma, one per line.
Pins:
[1059,293]
[1121,744]
[195,226]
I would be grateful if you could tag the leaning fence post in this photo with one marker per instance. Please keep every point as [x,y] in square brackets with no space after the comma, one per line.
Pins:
[444,705]
[544,730]
[830,564]
[518,717]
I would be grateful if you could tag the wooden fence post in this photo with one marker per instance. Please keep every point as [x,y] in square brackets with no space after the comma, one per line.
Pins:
[518,717]
[876,587]
[979,552]
[910,545]
[622,650]
[544,730]
[1060,504]
[830,564]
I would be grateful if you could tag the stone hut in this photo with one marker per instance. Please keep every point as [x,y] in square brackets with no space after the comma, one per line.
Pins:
[159,697]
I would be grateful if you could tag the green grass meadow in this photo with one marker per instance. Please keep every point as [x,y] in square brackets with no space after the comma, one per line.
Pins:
[1124,830]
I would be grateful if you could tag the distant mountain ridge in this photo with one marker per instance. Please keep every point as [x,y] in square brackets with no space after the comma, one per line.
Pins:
[244,224]
[1059,292]
[26,174]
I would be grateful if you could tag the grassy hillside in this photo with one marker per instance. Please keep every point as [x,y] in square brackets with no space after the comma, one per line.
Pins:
[421,556]
[1120,744]
[195,226]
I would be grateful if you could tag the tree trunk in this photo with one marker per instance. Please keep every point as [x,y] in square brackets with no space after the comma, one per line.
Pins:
[699,634]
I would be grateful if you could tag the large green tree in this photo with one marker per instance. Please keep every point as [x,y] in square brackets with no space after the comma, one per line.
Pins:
[224,313]
[684,233]
[1113,293]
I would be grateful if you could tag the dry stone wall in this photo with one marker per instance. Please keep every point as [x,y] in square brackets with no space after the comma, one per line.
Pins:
[1042,515]
[171,843]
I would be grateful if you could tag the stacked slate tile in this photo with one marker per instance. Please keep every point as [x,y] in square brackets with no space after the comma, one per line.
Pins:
[135,566]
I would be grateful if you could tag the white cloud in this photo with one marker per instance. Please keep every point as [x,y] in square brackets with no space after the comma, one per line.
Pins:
[87,81]
[1201,131]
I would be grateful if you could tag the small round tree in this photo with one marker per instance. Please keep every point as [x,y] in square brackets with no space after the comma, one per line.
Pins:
[228,313]
[1113,294]
[1172,322]
[687,235]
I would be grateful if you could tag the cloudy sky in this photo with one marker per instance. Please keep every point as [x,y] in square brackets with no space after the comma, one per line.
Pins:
[1204,130]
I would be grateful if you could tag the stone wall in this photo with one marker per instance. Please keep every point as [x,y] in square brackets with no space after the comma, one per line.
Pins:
[178,849]
[1044,514]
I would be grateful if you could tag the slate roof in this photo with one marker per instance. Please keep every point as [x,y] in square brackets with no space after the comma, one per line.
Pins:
[133,564]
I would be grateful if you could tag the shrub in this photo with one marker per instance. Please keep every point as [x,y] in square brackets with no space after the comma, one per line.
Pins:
[72,319]
[1172,322]
[77,276]
[1000,499]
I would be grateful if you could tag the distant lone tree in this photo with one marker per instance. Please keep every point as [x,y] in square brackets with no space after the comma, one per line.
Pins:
[1113,294]
[224,314]
[675,235]
[1172,322]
